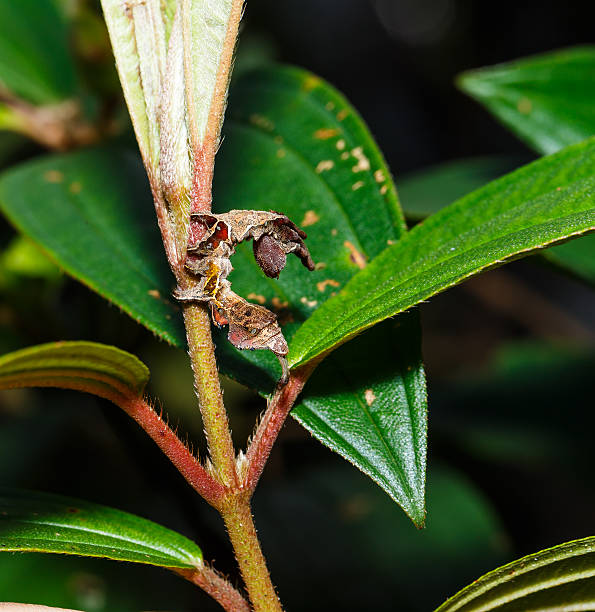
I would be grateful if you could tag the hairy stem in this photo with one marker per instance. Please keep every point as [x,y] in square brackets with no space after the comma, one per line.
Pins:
[271,423]
[222,591]
[186,463]
[237,514]
[210,399]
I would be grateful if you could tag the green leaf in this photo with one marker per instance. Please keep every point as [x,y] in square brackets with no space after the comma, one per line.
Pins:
[576,257]
[367,402]
[559,578]
[545,202]
[91,212]
[427,191]
[294,144]
[38,522]
[86,366]
[547,100]
[35,61]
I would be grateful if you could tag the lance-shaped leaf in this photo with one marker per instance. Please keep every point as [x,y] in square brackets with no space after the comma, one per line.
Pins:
[87,211]
[428,191]
[367,402]
[547,100]
[293,143]
[39,522]
[84,366]
[559,578]
[541,204]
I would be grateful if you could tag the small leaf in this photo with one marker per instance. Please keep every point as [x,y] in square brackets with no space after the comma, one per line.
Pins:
[559,578]
[547,100]
[545,202]
[35,62]
[85,366]
[38,522]
[367,402]
[91,212]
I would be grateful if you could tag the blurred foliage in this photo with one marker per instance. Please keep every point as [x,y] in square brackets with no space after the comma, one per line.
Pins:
[510,438]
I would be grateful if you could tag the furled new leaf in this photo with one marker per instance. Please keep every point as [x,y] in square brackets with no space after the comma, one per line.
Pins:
[546,202]
[38,522]
[547,100]
[85,366]
[175,63]
[559,578]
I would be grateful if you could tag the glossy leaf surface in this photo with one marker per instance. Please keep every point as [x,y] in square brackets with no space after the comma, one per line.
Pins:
[38,522]
[35,61]
[428,191]
[295,145]
[85,366]
[559,578]
[545,202]
[92,213]
[368,403]
[547,100]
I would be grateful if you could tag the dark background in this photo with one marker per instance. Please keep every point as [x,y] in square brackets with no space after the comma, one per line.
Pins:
[509,357]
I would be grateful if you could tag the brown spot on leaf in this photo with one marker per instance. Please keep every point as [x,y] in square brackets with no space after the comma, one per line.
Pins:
[342,114]
[154,293]
[370,396]
[53,176]
[256,298]
[325,164]
[278,304]
[325,133]
[356,257]
[309,303]
[524,106]
[75,187]
[310,218]
[322,285]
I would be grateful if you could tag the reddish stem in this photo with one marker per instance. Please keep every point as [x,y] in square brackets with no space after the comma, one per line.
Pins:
[187,464]
[217,587]
[271,423]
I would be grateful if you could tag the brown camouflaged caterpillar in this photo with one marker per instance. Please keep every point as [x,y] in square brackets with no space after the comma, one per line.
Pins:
[212,242]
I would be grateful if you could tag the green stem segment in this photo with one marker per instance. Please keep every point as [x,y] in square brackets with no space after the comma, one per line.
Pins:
[237,515]
[206,381]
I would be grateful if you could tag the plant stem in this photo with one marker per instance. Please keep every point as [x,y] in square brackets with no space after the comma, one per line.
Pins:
[210,399]
[229,598]
[271,423]
[237,514]
[176,451]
